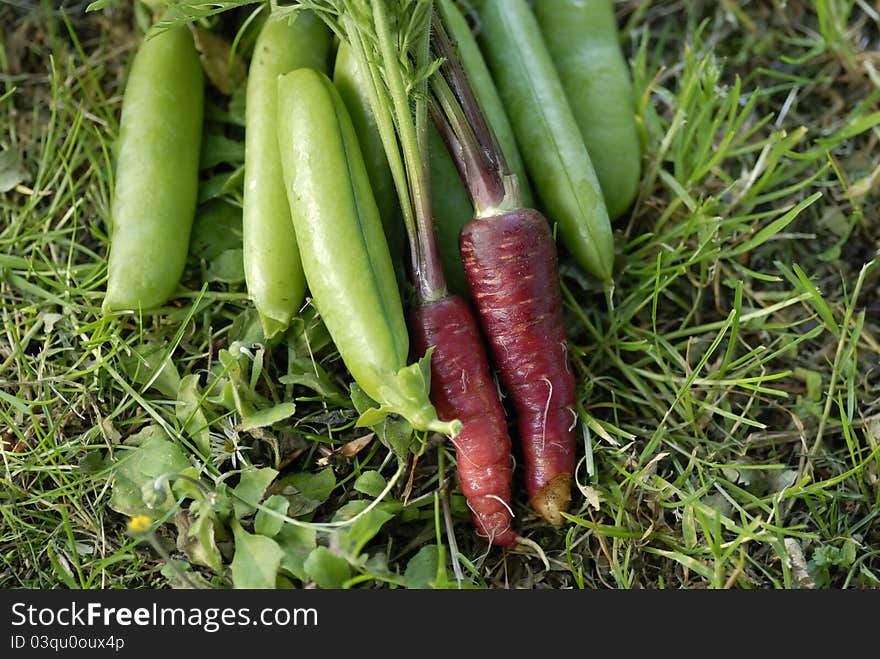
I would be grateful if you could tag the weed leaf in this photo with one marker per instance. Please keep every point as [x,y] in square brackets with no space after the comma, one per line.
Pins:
[326,569]
[256,559]
[250,489]
[137,469]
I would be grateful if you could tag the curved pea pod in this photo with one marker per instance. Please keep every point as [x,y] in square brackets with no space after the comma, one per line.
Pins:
[157,172]
[344,252]
[272,267]
[584,42]
[547,133]
[350,84]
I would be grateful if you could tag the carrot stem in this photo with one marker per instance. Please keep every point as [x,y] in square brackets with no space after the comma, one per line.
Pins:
[466,97]
[427,270]
[480,175]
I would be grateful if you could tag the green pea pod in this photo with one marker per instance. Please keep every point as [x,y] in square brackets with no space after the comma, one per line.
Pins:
[157,172]
[547,132]
[349,82]
[272,267]
[344,252]
[487,94]
[584,42]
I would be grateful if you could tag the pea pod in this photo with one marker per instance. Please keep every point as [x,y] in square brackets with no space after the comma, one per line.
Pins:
[547,132]
[273,271]
[344,252]
[351,86]
[157,172]
[583,40]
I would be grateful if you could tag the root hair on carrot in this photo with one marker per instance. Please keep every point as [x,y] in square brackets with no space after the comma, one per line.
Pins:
[535,550]
[502,502]
[546,411]
[491,534]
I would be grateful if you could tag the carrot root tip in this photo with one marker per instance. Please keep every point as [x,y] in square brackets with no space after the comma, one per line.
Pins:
[553,499]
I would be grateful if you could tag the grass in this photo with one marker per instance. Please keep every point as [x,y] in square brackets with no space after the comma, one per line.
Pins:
[728,384]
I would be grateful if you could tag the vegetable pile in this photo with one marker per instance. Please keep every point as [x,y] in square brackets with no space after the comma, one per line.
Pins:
[406,167]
